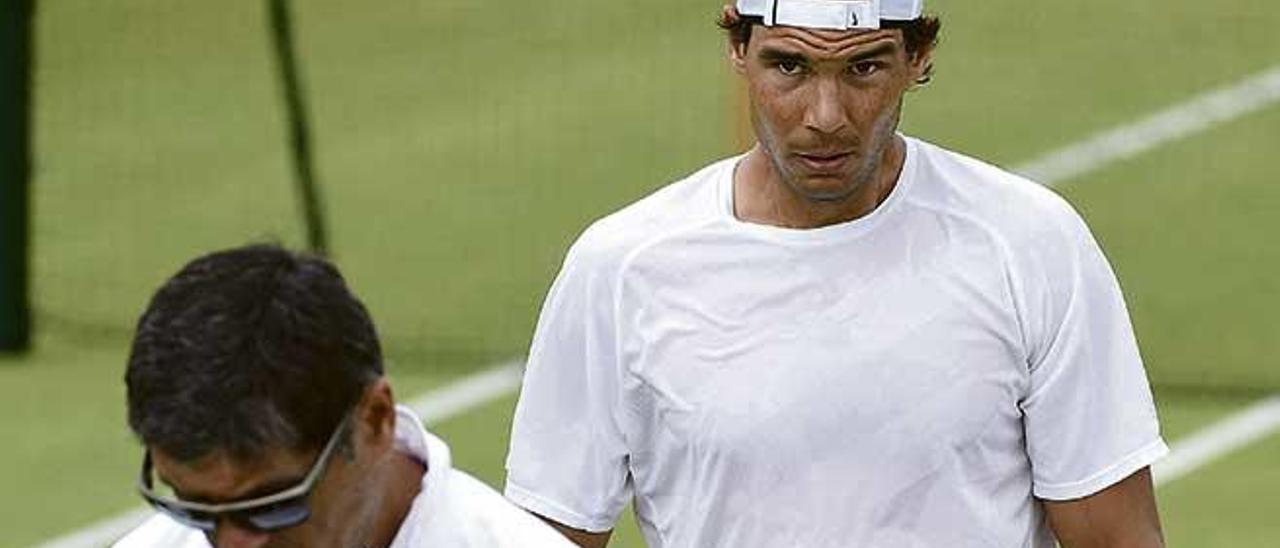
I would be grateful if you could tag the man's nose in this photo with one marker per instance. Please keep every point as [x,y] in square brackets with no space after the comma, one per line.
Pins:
[230,535]
[825,112]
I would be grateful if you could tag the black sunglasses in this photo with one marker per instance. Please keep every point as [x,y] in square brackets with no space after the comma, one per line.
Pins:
[268,513]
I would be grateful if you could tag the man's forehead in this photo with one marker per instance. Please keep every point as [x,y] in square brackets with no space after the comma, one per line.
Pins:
[824,42]
[221,477]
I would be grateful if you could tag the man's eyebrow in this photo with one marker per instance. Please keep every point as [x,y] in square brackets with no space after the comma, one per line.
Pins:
[269,488]
[884,48]
[772,54]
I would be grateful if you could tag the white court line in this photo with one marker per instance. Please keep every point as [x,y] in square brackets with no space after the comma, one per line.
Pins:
[1219,439]
[1194,115]
[1198,114]
[470,392]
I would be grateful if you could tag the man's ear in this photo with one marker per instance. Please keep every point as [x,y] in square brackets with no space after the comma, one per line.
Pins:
[737,51]
[375,416]
[921,65]
[738,57]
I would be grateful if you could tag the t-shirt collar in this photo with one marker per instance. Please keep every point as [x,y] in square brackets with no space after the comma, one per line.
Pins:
[837,232]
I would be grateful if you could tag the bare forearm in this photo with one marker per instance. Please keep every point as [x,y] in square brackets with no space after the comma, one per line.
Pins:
[584,539]
[1095,533]
[1121,516]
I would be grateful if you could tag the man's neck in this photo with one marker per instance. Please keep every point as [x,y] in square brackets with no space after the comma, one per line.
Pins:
[761,196]
[401,486]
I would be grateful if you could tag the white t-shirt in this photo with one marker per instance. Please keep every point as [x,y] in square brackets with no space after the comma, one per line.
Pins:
[452,510]
[915,377]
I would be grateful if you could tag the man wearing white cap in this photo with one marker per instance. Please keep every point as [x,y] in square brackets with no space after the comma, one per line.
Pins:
[845,337]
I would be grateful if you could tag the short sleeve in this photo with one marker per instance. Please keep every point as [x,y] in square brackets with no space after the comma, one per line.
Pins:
[1089,415]
[568,459]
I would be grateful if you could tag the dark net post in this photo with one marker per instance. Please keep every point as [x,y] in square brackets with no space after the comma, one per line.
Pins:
[286,55]
[15,172]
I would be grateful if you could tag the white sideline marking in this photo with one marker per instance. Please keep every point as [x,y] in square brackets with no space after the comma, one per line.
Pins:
[1198,114]
[434,406]
[1218,439]
[470,392]
[1194,115]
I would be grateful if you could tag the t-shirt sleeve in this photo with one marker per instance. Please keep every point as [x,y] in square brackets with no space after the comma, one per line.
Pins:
[568,458]
[1089,415]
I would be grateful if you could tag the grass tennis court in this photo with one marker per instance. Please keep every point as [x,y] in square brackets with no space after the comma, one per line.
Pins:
[462,146]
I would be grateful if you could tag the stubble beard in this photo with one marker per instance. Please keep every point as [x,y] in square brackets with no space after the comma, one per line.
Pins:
[881,136]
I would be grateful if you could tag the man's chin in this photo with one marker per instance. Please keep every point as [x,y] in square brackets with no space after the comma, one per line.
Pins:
[825,188]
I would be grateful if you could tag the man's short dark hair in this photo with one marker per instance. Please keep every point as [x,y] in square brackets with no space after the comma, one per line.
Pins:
[917,34]
[247,350]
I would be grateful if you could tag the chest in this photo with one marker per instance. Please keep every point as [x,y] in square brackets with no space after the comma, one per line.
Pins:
[822,352]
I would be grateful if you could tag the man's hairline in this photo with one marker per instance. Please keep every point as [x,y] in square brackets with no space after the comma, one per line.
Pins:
[754,21]
[344,442]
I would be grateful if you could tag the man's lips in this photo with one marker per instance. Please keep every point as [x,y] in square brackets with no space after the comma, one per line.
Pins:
[824,161]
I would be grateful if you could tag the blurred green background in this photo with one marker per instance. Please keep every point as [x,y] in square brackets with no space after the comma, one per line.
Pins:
[462,145]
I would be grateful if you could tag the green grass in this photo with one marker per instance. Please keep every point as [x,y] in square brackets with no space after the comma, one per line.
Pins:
[462,146]
[1231,503]
[1185,227]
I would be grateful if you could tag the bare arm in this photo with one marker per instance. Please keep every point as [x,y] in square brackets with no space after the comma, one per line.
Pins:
[582,538]
[1123,515]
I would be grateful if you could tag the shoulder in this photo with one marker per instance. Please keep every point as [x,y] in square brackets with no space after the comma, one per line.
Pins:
[159,531]
[692,200]
[1008,206]
[490,516]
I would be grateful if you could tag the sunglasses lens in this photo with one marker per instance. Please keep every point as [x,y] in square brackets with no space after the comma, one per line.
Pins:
[277,516]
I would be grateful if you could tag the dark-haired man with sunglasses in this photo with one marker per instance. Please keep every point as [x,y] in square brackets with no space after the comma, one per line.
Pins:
[255,382]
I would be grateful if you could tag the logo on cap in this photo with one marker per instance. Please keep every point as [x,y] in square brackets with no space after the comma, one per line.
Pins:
[853,19]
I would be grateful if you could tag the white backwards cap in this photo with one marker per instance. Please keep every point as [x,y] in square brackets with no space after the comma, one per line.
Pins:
[831,14]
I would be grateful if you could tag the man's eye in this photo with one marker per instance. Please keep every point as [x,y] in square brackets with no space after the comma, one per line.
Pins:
[790,68]
[864,68]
